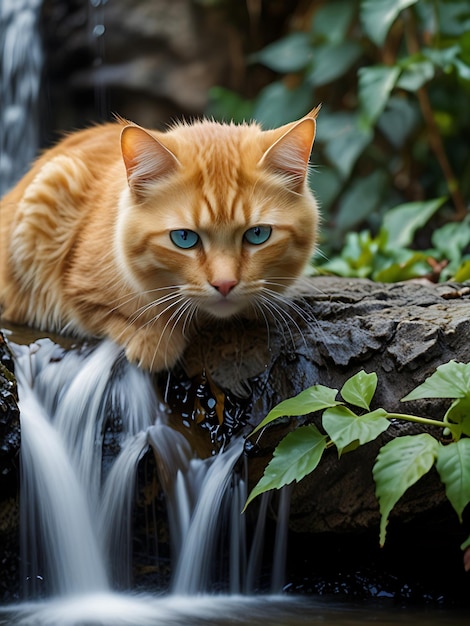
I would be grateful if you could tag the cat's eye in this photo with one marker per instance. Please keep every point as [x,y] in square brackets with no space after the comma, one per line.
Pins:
[184,238]
[258,235]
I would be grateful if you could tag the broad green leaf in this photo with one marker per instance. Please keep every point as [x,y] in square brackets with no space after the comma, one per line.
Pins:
[313,399]
[453,465]
[450,380]
[465,544]
[452,239]
[400,118]
[402,222]
[289,54]
[326,184]
[415,75]
[330,61]
[463,273]
[331,21]
[360,199]
[346,142]
[399,464]
[359,389]
[459,414]
[345,427]
[375,84]
[297,455]
[276,104]
[415,265]
[377,16]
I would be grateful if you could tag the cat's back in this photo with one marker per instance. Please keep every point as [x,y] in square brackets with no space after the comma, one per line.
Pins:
[59,190]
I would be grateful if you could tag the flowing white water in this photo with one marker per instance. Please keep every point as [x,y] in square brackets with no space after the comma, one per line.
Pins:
[20,75]
[76,527]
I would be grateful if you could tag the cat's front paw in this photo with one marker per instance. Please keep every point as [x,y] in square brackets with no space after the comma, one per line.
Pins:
[153,354]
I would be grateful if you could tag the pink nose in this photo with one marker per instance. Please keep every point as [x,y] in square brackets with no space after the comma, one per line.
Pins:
[224,286]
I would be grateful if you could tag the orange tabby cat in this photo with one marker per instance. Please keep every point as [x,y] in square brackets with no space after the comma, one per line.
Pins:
[130,234]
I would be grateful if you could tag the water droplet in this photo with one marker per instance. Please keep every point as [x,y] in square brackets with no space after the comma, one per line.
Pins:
[98,30]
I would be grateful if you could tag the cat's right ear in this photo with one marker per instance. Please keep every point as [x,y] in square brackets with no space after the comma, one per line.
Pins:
[146,159]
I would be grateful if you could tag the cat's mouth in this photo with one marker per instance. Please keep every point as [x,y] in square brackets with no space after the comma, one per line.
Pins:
[224,307]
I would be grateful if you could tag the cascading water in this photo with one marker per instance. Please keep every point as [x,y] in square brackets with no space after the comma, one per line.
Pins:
[21,62]
[76,525]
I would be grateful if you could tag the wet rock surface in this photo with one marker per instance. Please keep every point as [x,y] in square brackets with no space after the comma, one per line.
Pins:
[234,374]
[9,468]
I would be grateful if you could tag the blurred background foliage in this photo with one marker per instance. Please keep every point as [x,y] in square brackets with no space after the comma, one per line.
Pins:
[391,159]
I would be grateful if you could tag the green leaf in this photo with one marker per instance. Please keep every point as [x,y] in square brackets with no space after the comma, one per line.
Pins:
[345,427]
[463,273]
[377,16]
[400,118]
[450,380]
[330,22]
[413,266]
[276,104]
[453,465]
[399,464]
[359,389]
[289,54]
[459,414]
[345,141]
[415,75]
[297,455]
[465,544]
[313,399]
[402,222]
[330,61]
[375,84]
[360,199]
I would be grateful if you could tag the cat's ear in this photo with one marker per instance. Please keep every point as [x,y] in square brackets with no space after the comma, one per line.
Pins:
[145,157]
[290,149]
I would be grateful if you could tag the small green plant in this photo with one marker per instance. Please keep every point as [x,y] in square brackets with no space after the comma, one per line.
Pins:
[402,461]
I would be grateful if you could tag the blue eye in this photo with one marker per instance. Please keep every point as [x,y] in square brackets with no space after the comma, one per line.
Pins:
[184,238]
[258,235]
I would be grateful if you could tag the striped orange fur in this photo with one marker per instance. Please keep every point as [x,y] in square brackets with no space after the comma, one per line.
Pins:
[131,234]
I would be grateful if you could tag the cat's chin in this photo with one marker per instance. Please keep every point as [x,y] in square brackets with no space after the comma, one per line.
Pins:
[224,308]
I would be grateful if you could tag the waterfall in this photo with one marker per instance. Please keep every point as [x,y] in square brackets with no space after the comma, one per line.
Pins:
[76,524]
[20,76]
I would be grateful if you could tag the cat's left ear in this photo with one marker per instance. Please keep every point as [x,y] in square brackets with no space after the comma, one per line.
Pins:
[289,152]
[146,159]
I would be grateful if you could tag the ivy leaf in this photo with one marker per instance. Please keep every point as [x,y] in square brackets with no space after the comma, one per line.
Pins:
[453,465]
[359,389]
[277,104]
[345,427]
[289,54]
[399,464]
[450,380]
[345,144]
[377,16]
[416,74]
[313,399]
[297,455]
[375,84]
[402,222]
[330,61]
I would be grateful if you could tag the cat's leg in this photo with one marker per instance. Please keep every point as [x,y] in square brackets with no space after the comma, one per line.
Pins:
[154,349]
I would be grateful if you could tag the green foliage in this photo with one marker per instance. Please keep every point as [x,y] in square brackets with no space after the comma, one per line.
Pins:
[394,80]
[401,462]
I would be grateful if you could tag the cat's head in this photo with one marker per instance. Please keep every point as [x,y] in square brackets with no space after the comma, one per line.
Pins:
[221,213]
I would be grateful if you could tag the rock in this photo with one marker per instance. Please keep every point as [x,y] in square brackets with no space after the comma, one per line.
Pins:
[337,327]
[9,466]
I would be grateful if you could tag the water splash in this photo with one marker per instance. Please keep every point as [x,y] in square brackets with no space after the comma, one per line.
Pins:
[20,77]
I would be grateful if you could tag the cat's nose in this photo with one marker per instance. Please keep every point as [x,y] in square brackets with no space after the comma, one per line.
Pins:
[224,286]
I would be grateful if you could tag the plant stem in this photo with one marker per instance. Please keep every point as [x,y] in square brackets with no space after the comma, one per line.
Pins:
[435,139]
[420,420]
